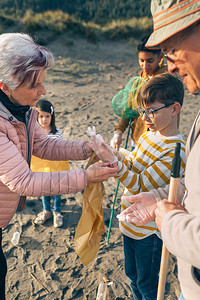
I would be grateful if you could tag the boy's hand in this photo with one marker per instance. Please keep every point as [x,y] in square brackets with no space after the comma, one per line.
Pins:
[102,150]
[142,211]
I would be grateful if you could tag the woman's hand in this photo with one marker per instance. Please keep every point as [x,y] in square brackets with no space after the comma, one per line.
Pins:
[101,172]
[88,149]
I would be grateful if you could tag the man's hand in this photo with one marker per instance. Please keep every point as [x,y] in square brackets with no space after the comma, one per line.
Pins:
[101,172]
[142,211]
[163,208]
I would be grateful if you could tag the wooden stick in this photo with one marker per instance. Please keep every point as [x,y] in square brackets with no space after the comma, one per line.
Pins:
[46,290]
[171,198]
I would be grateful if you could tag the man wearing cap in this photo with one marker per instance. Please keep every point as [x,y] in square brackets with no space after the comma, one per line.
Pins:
[177,33]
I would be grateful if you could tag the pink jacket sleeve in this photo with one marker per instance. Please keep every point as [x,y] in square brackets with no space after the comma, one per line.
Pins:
[17,176]
[57,149]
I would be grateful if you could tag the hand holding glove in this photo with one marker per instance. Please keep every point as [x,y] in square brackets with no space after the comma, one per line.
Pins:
[102,150]
[99,172]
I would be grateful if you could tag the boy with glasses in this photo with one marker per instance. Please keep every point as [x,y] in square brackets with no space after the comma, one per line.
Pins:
[146,168]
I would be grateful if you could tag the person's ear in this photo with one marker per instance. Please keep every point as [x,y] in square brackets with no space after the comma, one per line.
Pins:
[5,89]
[176,109]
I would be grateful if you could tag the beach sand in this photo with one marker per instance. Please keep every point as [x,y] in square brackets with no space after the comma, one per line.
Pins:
[81,86]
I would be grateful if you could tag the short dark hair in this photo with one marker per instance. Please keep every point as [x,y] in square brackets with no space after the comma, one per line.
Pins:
[141,46]
[164,88]
[47,106]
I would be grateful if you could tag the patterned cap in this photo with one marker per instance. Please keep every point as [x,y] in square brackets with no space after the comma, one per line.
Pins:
[171,17]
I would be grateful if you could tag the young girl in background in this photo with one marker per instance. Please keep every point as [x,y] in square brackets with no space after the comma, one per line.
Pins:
[46,118]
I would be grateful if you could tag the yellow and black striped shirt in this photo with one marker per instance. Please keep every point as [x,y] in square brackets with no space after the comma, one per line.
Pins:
[147,167]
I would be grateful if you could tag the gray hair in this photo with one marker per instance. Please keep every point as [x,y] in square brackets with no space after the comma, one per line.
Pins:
[22,60]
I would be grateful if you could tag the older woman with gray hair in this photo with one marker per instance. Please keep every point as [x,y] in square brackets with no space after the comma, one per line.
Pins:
[22,72]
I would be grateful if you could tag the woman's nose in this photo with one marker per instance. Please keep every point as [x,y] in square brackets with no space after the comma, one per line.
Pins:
[42,90]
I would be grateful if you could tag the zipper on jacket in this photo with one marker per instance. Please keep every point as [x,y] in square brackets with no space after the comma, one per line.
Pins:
[28,142]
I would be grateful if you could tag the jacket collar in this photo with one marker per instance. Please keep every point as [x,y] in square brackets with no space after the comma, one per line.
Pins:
[10,110]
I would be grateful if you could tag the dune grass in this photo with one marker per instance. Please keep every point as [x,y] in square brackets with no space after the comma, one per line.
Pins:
[58,22]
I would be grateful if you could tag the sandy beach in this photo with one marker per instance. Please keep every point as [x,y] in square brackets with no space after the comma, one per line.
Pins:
[81,85]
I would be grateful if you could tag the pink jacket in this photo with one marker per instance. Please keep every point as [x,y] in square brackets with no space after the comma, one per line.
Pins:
[17,179]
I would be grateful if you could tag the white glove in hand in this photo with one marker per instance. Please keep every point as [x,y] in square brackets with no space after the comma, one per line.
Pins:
[102,150]
[120,156]
[116,141]
[142,211]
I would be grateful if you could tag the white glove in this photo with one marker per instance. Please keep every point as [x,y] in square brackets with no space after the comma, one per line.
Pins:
[116,140]
[102,150]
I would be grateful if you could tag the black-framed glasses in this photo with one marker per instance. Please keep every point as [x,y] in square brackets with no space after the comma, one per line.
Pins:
[150,112]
